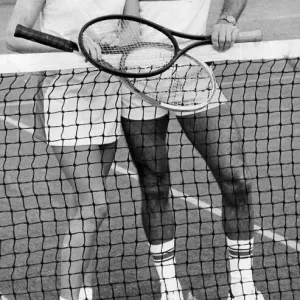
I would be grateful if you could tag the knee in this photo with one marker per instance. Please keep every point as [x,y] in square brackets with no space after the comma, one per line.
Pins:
[101,212]
[154,175]
[237,188]
[93,209]
[92,217]
[156,185]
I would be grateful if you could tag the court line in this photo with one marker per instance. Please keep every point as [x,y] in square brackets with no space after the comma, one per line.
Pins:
[192,200]
[17,124]
[218,212]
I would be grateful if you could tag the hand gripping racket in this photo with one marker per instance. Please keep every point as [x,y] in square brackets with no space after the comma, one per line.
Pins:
[132,47]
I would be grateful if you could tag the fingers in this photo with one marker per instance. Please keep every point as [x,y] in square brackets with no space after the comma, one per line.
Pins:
[224,36]
[110,39]
[92,48]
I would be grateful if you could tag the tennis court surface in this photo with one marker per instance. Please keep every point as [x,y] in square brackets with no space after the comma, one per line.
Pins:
[262,82]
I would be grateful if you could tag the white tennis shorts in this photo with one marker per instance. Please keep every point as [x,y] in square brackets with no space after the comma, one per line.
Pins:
[81,109]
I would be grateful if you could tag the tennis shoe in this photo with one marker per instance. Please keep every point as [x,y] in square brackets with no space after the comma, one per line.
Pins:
[255,295]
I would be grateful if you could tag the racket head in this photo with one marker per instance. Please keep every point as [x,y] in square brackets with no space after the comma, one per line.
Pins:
[119,35]
[188,85]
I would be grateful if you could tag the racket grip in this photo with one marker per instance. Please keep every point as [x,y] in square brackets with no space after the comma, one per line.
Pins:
[45,39]
[250,36]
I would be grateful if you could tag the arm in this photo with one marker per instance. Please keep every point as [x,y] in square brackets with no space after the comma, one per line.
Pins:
[233,8]
[115,38]
[131,30]
[225,32]
[25,12]
[132,8]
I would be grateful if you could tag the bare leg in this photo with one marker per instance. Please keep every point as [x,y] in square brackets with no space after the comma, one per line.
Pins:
[216,136]
[147,144]
[85,168]
[219,142]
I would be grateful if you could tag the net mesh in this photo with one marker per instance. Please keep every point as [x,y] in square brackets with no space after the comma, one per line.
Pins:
[35,195]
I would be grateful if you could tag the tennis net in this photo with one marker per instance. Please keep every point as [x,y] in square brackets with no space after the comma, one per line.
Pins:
[262,82]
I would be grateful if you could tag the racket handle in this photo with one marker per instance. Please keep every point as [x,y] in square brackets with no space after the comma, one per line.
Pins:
[45,39]
[250,36]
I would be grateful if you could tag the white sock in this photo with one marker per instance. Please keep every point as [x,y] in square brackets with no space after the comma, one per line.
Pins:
[86,293]
[164,259]
[240,262]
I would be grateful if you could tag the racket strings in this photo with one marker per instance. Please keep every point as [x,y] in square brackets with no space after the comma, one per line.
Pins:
[181,85]
[191,85]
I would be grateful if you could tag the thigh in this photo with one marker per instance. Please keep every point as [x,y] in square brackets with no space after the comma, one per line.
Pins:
[134,108]
[146,140]
[85,167]
[217,137]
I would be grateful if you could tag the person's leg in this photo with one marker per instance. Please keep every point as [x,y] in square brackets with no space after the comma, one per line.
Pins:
[146,140]
[216,136]
[85,167]
[147,144]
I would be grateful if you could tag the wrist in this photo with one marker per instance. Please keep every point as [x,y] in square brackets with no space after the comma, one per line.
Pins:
[227,19]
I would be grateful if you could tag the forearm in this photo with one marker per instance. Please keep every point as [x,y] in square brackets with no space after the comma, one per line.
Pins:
[25,12]
[233,8]
[24,46]
[225,32]
[132,8]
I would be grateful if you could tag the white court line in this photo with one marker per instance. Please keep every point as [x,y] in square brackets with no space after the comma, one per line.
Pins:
[218,212]
[197,202]
[17,124]
[13,104]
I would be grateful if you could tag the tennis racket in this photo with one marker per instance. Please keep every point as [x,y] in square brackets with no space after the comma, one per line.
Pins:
[186,85]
